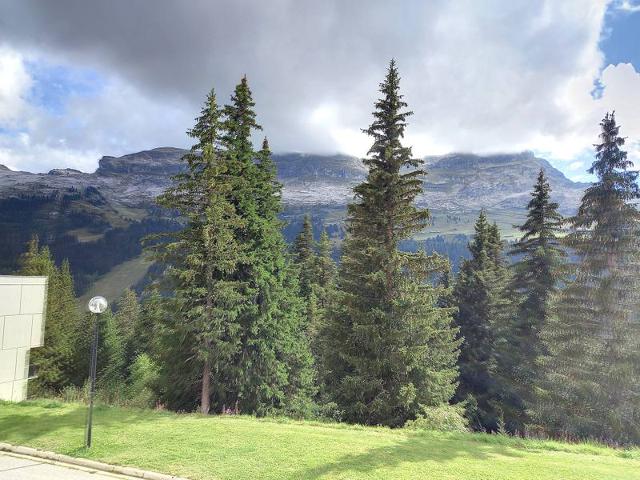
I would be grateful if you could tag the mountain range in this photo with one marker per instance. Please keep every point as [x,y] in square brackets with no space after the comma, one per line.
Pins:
[97,219]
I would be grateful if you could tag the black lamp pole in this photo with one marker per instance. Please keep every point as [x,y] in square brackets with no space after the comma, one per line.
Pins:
[97,305]
[92,377]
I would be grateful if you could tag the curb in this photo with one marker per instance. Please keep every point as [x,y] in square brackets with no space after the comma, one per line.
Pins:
[83,462]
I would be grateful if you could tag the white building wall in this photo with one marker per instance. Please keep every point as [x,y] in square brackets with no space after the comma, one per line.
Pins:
[22,316]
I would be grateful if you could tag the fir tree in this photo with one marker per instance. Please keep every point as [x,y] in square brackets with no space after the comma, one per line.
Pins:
[152,315]
[321,291]
[55,360]
[111,372]
[536,276]
[202,334]
[592,386]
[305,258]
[273,364]
[390,348]
[479,295]
[268,189]
[127,320]
[446,283]
[326,270]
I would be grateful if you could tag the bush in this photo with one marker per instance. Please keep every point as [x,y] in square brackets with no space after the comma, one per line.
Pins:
[144,374]
[301,407]
[444,418]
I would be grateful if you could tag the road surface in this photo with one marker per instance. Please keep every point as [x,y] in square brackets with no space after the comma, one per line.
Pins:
[18,467]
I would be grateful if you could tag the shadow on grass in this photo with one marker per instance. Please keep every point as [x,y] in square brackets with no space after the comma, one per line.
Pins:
[63,420]
[416,448]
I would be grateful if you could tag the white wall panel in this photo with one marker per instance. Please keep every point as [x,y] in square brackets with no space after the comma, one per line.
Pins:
[7,365]
[37,331]
[17,331]
[32,298]
[22,323]
[10,299]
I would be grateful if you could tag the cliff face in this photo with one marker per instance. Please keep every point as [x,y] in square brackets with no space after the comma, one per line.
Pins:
[453,182]
[81,214]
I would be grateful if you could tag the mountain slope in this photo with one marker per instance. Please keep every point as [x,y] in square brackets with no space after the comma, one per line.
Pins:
[97,219]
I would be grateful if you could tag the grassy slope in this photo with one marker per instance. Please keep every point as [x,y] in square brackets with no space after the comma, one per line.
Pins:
[112,284]
[247,448]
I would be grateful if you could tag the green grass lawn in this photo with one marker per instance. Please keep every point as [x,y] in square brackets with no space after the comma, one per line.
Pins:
[227,447]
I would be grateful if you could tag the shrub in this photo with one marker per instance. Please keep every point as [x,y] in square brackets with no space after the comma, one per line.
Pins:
[444,418]
[144,373]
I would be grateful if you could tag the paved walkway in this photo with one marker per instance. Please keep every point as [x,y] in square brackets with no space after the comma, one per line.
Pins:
[18,467]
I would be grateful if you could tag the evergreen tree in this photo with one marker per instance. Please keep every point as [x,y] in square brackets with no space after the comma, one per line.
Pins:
[152,316]
[536,276]
[592,386]
[305,258]
[479,295]
[445,281]
[325,271]
[111,372]
[268,189]
[127,320]
[273,364]
[390,348]
[55,360]
[235,315]
[202,333]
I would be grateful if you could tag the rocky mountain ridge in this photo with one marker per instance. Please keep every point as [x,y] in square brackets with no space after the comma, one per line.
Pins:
[454,182]
[97,220]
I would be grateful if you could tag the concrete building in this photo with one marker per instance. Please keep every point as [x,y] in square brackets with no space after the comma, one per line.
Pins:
[22,316]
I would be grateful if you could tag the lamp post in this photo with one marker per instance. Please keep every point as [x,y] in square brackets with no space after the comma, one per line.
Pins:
[97,305]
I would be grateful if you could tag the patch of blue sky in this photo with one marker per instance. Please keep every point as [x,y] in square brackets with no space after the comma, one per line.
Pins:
[53,85]
[574,169]
[620,38]
[6,131]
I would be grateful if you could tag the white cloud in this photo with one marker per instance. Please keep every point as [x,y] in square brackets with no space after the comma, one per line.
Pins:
[15,83]
[628,6]
[480,76]
[622,93]
[117,120]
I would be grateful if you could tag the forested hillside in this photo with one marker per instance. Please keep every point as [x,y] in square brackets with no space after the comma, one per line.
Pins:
[96,220]
[354,316]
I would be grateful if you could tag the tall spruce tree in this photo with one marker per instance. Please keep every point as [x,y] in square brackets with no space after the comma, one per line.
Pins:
[112,362]
[305,258]
[324,290]
[152,316]
[592,386]
[325,270]
[273,365]
[536,277]
[128,318]
[479,295]
[202,335]
[391,348]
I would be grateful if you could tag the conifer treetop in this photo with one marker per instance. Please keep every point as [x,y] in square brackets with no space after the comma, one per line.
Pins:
[240,117]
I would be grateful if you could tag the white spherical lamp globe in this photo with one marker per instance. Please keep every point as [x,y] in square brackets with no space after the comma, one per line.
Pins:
[98,304]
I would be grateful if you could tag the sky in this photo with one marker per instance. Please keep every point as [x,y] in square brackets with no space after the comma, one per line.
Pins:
[81,79]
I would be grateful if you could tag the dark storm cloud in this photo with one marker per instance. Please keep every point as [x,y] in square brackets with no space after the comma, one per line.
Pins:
[480,76]
[293,52]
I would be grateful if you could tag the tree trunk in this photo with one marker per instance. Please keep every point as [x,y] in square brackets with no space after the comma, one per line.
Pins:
[206,386]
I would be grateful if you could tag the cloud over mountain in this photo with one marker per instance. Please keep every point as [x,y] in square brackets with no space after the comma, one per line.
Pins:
[480,76]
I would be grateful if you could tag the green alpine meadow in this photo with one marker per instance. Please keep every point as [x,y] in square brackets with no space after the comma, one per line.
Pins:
[374,240]
[236,447]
